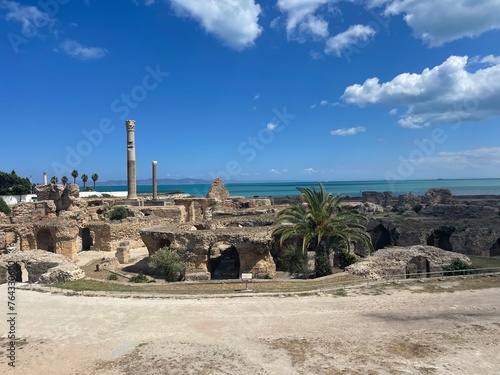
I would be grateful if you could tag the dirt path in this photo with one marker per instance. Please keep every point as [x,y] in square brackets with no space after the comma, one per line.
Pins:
[398,332]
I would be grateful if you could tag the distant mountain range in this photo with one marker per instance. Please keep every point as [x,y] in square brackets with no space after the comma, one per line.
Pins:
[161,181]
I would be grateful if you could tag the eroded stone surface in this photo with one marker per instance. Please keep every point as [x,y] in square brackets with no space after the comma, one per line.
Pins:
[253,246]
[400,260]
[42,266]
[217,190]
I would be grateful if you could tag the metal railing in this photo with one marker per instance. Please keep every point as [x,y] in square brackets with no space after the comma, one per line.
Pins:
[306,287]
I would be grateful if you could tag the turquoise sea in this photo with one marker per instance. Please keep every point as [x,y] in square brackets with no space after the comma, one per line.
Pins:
[352,188]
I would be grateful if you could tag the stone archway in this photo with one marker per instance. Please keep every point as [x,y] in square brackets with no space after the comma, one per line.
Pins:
[18,272]
[417,267]
[45,240]
[87,240]
[380,237]
[495,249]
[441,238]
[224,262]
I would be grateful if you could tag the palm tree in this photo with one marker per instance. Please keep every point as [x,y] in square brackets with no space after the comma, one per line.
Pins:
[322,225]
[64,180]
[74,174]
[53,180]
[85,178]
[94,178]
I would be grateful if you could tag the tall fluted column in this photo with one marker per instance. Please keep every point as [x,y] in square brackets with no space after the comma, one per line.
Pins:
[155,181]
[131,171]
[45,182]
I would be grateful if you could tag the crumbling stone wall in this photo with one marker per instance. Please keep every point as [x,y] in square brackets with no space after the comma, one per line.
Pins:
[41,266]
[382,199]
[33,211]
[217,191]
[252,244]
[397,261]
[64,197]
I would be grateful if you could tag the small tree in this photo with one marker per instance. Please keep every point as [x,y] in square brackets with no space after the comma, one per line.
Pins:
[118,213]
[85,178]
[4,208]
[167,263]
[53,180]
[64,180]
[74,174]
[459,267]
[295,261]
[322,224]
[94,178]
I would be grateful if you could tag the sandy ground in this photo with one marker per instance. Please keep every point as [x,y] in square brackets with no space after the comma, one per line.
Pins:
[396,332]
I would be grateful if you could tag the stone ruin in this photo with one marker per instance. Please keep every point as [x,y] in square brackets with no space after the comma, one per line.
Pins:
[39,266]
[413,261]
[225,236]
[217,191]
[216,253]
[60,222]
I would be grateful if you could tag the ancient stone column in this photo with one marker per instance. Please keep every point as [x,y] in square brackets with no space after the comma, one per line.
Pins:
[155,181]
[131,171]
[45,178]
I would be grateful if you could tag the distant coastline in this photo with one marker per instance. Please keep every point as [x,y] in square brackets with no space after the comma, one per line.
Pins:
[352,188]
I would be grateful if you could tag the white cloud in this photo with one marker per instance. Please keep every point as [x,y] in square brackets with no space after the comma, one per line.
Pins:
[314,25]
[235,22]
[271,126]
[393,111]
[31,18]
[490,59]
[352,36]
[348,131]
[483,157]
[301,17]
[315,55]
[439,22]
[310,171]
[74,49]
[323,102]
[256,96]
[447,93]
[279,171]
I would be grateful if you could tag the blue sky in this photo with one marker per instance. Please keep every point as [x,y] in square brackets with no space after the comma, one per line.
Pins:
[252,90]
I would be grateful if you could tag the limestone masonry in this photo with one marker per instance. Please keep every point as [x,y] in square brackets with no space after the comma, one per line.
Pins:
[221,236]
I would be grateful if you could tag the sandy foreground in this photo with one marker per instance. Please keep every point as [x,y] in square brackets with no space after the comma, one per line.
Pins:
[396,332]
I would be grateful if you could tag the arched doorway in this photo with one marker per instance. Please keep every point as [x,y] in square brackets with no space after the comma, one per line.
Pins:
[45,241]
[441,238]
[417,267]
[87,240]
[380,237]
[495,249]
[18,272]
[224,262]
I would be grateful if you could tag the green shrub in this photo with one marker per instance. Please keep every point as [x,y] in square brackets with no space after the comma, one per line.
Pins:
[294,261]
[322,265]
[106,195]
[417,208]
[118,213]
[113,277]
[139,278]
[346,258]
[459,267]
[167,263]
[4,208]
